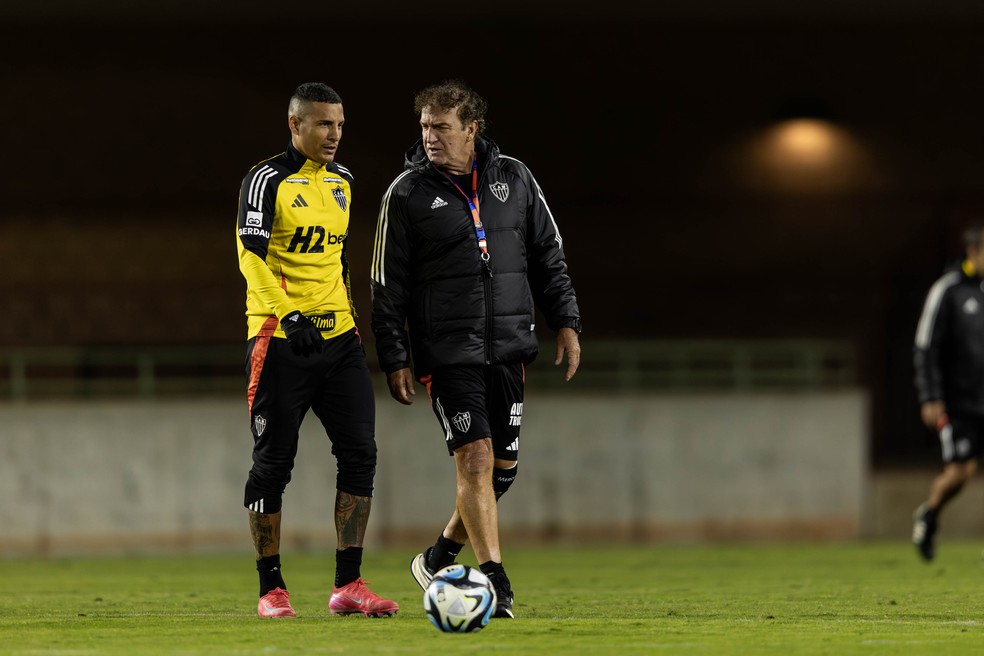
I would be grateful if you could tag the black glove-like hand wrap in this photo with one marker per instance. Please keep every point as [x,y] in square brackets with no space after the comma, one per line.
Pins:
[303,337]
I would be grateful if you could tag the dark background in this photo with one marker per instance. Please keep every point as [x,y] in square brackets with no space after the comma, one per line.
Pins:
[127,131]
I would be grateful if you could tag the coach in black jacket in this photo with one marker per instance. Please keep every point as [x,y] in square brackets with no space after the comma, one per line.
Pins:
[466,249]
[949,364]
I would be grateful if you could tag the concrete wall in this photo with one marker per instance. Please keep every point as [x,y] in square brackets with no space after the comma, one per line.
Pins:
[124,476]
[895,494]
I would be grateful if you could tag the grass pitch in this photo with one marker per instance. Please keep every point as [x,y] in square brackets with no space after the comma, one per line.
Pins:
[785,600]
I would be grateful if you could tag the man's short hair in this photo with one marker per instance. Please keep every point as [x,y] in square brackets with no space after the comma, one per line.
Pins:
[972,233]
[311,92]
[449,94]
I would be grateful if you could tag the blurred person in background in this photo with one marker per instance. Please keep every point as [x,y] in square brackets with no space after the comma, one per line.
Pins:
[949,367]
[465,245]
[304,350]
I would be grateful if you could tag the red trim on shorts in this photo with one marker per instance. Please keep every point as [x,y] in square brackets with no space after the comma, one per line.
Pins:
[426,380]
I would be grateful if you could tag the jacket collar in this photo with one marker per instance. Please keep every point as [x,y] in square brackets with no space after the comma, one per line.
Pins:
[485,149]
[300,159]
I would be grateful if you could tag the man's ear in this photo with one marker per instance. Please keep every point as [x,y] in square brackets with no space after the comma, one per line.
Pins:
[293,122]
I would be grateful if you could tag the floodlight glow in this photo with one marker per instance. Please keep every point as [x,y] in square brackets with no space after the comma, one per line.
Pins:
[805,141]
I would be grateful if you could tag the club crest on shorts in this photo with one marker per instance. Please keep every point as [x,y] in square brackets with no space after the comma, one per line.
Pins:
[462,421]
[259,424]
[501,190]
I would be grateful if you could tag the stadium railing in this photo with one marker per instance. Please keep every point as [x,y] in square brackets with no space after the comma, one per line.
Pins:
[617,365]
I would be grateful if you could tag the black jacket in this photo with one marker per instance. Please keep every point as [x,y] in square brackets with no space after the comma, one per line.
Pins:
[428,275]
[949,347]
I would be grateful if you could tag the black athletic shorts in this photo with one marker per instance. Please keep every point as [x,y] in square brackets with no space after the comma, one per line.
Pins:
[335,384]
[960,440]
[479,401]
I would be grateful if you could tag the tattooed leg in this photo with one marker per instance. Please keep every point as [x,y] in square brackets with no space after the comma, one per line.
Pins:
[351,518]
[265,530]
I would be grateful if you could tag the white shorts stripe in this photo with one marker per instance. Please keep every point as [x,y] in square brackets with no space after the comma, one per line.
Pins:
[444,420]
[946,442]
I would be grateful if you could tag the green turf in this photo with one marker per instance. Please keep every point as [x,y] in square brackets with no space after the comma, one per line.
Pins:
[724,599]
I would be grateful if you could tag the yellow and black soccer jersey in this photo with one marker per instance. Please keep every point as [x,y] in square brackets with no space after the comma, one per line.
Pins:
[293,221]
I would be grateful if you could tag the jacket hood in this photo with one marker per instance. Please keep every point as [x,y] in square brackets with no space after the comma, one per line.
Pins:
[416,158]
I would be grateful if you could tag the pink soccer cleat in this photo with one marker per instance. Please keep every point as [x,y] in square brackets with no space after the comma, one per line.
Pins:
[357,598]
[275,603]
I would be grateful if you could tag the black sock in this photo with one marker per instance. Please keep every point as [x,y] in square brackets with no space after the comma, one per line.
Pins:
[443,553]
[270,574]
[497,574]
[491,567]
[348,565]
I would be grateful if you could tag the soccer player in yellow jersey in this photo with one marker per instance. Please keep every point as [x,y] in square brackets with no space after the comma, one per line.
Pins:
[304,350]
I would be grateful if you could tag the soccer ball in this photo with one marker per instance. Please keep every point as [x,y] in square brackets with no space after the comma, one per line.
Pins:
[459,599]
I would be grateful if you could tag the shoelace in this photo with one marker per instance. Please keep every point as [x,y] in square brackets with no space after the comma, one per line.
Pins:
[358,583]
[278,598]
[367,595]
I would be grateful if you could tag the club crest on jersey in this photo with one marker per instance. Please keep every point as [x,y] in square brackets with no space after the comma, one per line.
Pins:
[259,424]
[340,198]
[501,190]
[971,306]
[462,421]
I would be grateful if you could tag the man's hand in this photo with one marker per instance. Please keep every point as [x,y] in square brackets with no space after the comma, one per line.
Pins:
[303,337]
[934,415]
[401,385]
[567,342]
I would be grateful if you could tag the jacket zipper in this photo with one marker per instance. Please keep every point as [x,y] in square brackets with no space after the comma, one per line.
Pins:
[487,288]
[487,283]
